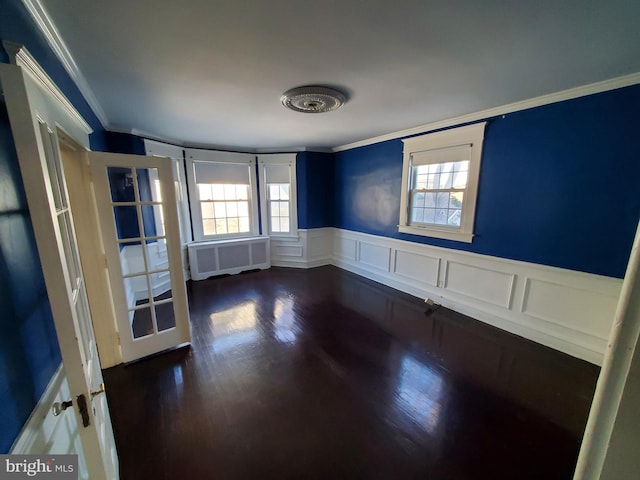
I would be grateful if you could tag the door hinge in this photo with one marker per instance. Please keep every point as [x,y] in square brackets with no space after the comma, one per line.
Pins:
[104,258]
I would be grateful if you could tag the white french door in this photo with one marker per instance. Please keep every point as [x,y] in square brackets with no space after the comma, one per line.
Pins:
[36,117]
[138,214]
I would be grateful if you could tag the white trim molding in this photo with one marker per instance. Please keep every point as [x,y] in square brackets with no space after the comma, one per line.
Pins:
[436,148]
[57,44]
[598,87]
[563,309]
[20,56]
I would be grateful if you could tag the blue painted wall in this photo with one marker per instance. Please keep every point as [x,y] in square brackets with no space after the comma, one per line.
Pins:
[558,185]
[314,183]
[29,353]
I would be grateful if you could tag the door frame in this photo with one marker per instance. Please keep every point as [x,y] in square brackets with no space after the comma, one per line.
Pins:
[92,252]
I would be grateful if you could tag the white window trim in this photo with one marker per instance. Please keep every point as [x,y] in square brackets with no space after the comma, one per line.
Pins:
[279,159]
[469,135]
[194,155]
[158,149]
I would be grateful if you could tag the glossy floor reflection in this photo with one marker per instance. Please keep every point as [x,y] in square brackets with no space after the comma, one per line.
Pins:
[321,374]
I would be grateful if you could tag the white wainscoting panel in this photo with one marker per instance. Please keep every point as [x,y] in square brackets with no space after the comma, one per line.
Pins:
[485,285]
[414,266]
[311,248]
[581,309]
[373,255]
[563,309]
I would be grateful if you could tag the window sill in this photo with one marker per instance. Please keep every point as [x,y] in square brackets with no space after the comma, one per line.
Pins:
[288,237]
[216,241]
[458,236]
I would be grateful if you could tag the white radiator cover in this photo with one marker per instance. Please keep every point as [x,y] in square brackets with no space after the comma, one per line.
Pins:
[207,259]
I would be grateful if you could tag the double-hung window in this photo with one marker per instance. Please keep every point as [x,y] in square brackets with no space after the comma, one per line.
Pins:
[223,193]
[440,183]
[278,194]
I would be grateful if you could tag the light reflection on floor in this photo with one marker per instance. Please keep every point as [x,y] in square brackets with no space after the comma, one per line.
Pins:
[420,394]
[234,326]
[284,320]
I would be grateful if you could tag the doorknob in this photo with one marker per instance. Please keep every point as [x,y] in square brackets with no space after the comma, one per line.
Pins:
[58,407]
[99,391]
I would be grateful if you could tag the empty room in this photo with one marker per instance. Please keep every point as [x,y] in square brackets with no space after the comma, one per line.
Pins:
[330,239]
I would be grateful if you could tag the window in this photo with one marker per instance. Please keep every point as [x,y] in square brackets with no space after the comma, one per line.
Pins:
[278,194]
[440,183]
[223,194]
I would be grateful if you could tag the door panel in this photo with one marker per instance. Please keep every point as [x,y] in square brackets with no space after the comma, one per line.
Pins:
[37,113]
[139,223]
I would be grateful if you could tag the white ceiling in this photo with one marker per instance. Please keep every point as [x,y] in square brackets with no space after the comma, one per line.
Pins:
[211,72]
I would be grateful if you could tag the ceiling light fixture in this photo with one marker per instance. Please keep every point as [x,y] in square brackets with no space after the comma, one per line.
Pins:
[313,99]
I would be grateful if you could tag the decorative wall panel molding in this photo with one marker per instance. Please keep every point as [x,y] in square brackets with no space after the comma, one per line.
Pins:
[311,248]
[563,309]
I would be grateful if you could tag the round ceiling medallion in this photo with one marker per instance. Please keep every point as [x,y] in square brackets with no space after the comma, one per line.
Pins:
[313,99]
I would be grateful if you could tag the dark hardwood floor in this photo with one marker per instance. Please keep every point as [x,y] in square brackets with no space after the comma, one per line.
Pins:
[322,374]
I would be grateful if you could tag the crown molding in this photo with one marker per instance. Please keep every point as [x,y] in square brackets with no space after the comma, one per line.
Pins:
[209,146]
[57,44]
[20,56]
[598,87]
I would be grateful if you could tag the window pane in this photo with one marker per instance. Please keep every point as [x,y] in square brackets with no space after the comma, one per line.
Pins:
[242,192]
[230,192]
[284,209]
[232,209]
[433,168]
[284,191]
[442,200]
[432,180]
[207,209]
[456,199]
[418,215]
[430,200]
[429,215]
[441,216]
[274,192]
[418,199]
[220,209]
[218,192]
[243,209]
[275,224]
[461,166]
[204,191]
[274,209]
[454,216]
[284,224]
[460,179]
[209,227]
[221,226]
[233,225]
[244,224]
[421,182]
[446,176]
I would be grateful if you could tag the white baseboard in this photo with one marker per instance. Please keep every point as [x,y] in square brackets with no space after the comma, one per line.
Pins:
[567,310]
